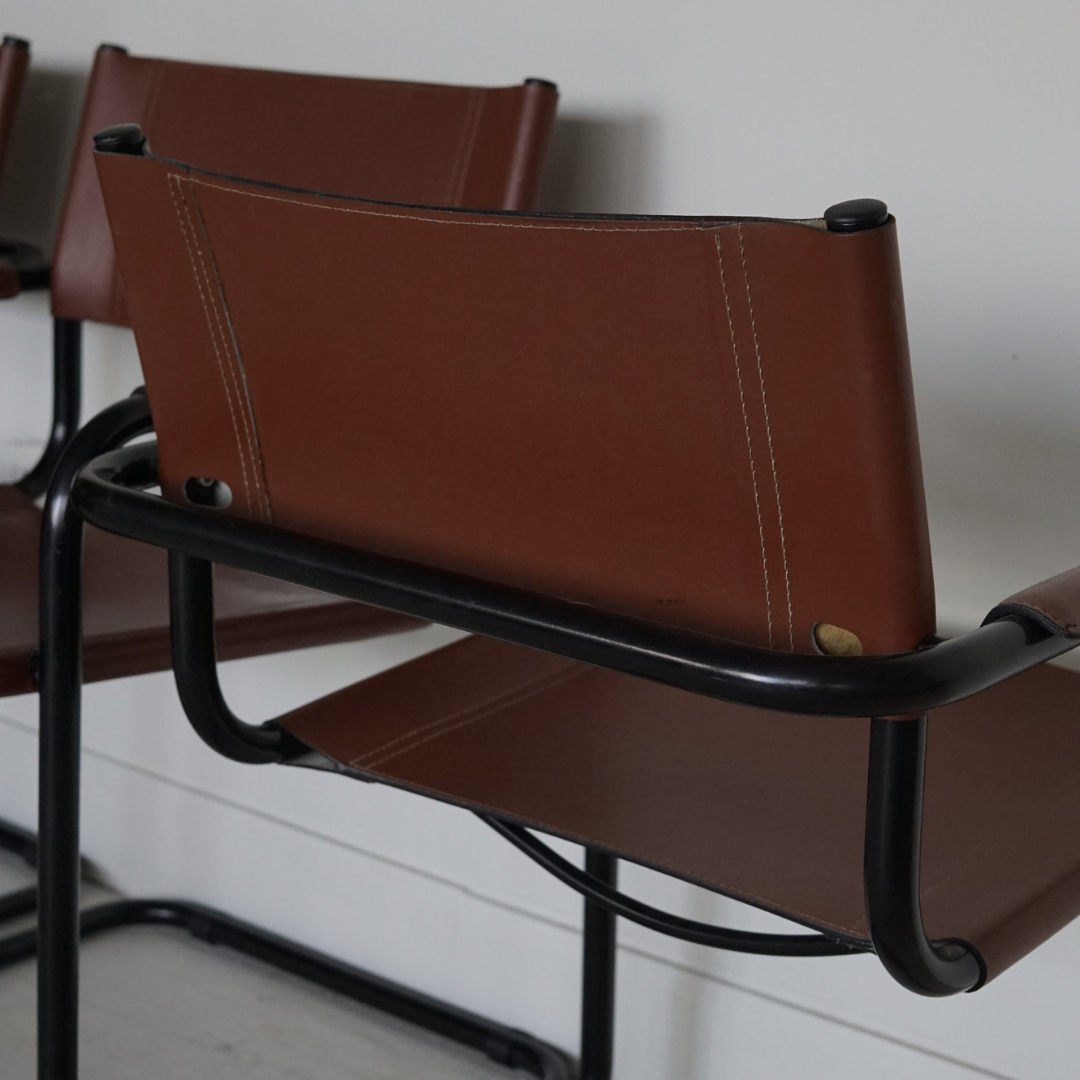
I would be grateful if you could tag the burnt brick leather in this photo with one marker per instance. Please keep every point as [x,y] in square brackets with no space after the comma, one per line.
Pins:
[1055,602]
[761,806]
[389,139]
[14,61]
[704,422]
[410,142]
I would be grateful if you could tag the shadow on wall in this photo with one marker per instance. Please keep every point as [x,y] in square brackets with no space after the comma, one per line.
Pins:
[32,185]
[600,164]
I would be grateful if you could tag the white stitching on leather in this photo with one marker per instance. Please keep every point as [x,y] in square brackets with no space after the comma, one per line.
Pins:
[749,444]
[768,432]
[231,362]
[438,728]
[210,328]
[236,365]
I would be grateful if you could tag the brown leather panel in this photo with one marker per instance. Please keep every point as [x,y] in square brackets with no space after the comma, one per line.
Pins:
[14,62]
[413,142]
[126,612]
[1055,601]
[629,413]
[85,279]
[9,280]
[761,806]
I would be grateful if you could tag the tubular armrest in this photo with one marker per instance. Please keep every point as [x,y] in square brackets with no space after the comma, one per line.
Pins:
[1053,603]
[900,684]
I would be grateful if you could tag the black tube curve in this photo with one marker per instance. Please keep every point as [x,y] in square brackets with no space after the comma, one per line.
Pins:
[194,657]
[66,405]
[716,937]
[891,868]
[60,681]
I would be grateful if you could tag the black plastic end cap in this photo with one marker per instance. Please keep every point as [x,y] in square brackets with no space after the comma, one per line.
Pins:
[13,42]
[541,82]
[856,215]
[113,48]
[121,139]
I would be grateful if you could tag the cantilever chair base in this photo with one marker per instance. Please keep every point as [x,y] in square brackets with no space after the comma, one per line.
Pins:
[503,1045]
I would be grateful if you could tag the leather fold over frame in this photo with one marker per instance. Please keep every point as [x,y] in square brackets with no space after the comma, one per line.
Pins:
[1054,603]
[414,142]
[623,412]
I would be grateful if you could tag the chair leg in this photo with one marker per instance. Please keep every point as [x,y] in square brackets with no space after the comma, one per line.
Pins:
[598,975]
[58,796]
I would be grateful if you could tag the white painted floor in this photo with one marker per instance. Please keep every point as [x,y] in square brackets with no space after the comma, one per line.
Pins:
[159,1005]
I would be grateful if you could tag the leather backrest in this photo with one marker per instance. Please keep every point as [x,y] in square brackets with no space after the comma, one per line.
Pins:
[14,61]
[412,142]
[707,422]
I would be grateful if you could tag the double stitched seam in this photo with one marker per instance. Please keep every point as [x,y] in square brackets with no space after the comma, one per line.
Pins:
[247,411]
[749,443]
[460,168]
[417,737]
[693,227]
[768,433]
[173,191]
[413,732]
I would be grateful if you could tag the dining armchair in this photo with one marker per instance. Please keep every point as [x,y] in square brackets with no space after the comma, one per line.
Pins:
[669,478]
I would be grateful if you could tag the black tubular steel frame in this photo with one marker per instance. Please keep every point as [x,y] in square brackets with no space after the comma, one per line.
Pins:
[105,485]
[504,1045]
[598,974]
[66,404]
[60,924]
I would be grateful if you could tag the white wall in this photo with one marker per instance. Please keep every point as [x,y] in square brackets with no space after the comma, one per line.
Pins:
[963,117]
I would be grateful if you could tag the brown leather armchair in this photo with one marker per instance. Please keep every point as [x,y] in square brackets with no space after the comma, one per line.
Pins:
[668,474]
[446,145]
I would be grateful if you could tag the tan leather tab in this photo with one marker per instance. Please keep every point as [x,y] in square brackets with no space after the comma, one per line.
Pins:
[1055,601]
